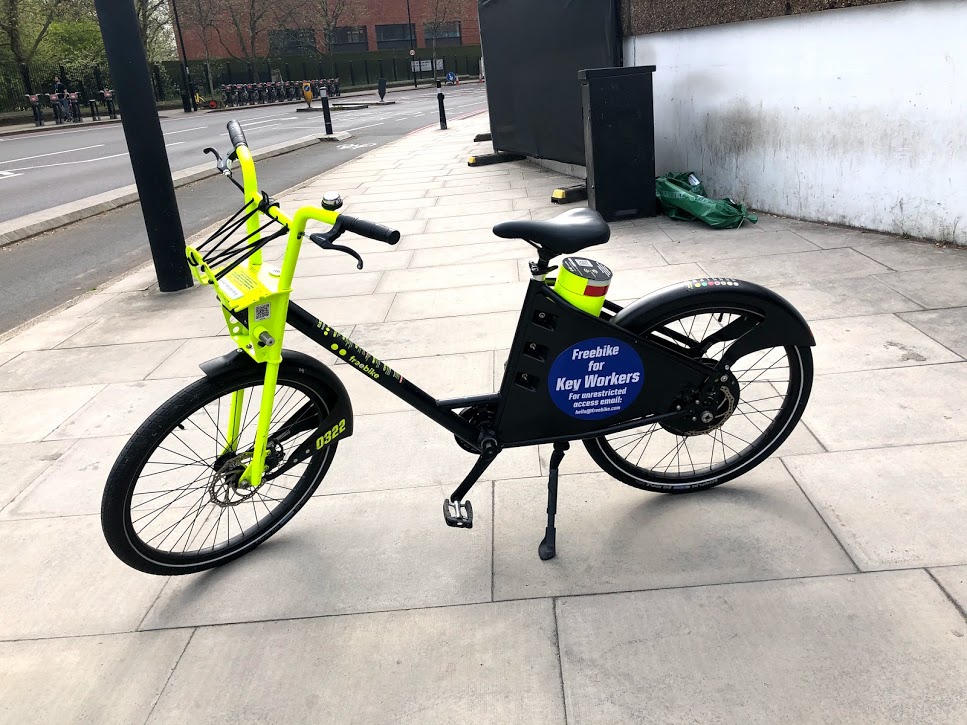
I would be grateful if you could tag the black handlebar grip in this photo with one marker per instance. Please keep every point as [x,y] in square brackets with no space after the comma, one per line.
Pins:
[369,230]
[236,135]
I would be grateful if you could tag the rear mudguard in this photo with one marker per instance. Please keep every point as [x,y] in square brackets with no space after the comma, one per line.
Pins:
[781,324]
[321,378]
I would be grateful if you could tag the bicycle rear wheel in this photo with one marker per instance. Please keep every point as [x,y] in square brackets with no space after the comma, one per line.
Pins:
[762,400]
[173,503]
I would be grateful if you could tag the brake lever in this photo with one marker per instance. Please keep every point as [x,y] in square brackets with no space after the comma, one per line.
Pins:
[222,165]
[322,242]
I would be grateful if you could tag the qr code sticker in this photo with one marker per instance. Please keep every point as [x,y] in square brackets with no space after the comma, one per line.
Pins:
[262,312]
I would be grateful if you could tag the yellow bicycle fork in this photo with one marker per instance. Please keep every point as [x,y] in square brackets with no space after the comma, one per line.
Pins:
[264,296]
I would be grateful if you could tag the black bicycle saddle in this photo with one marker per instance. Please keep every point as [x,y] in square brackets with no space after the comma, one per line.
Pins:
[566,233]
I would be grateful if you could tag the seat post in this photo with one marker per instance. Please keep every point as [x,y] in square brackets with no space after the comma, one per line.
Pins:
[541,268]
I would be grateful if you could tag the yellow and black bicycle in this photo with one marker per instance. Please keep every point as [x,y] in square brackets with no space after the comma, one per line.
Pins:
[687,388]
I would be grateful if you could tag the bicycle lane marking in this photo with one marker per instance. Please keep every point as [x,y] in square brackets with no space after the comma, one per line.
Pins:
[68,163]
[52,153]
[184,130]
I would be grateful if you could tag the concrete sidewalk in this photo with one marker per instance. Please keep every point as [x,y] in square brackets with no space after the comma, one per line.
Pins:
[828,585]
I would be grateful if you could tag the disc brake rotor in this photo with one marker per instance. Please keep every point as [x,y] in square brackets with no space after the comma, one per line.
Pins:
[225,488]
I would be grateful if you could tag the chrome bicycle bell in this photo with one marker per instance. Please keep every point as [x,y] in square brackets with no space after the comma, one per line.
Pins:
[331,200]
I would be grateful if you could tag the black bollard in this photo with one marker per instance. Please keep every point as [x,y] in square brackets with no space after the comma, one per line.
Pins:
[439,100]
[326,115]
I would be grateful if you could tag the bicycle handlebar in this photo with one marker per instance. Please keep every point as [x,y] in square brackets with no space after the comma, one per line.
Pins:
[235,134]
[370,230]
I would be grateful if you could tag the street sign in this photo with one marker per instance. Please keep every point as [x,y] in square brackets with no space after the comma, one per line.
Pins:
[412,52]
[425,65]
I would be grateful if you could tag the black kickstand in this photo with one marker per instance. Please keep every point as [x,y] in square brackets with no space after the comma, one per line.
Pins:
[548,547]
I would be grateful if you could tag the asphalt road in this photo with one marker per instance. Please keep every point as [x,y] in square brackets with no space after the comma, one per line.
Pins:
[43,272]
[42,170]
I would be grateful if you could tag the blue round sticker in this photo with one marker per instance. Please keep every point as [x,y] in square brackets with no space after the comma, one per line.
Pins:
[596,378]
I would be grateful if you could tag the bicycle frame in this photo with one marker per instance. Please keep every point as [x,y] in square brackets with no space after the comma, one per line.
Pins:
[537,402]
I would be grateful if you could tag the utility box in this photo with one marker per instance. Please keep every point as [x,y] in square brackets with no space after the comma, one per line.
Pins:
[619,141]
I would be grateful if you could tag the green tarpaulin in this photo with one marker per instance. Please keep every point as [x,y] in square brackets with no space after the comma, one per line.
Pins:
[682,197]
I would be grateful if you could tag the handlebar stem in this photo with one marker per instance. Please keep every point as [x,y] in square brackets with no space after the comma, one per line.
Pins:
[250,187]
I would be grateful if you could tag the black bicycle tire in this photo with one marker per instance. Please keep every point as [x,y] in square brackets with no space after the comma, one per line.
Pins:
[125,474]
[640,478]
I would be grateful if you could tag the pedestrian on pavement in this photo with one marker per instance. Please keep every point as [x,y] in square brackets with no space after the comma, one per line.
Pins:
[61,90]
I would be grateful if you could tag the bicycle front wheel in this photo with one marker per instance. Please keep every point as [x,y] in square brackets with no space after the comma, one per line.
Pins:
[173,503]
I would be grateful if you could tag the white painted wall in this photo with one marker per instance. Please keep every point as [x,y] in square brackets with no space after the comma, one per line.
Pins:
[855,116]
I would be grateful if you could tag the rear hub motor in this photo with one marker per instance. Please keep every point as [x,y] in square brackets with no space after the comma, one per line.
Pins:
[710,407]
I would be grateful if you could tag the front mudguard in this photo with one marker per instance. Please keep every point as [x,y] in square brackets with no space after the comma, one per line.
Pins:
[312,372]
[781,324]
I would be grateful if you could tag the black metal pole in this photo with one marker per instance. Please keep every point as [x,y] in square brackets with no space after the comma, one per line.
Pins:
[439,100]
[409,27]
[184,61]
[146,145]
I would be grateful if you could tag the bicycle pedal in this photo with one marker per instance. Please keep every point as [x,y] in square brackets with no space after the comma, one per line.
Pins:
[458,514]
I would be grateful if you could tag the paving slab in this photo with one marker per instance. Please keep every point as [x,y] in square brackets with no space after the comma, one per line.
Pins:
[873,342]
[23,462]
[878,408]
[612,537]
[450,277]
[31,415]
[904,256]
[931,288]
[804,651]
[72,484]
[823,235]
[60,579]
[457,301]
[492,250]
[442,376]
[487,221]
[948,327]
[148,328]
[577,460]
[105,679]
[105,364]
[954,581]
[702,249]
[45,335]
[350,310]
[379,456]
[445,336]
[335,285]
[359,552]
[480,237]
[630,284]
[342,264]
[798,267]
[858,296]
[886,517]
[117,409]
[492,663]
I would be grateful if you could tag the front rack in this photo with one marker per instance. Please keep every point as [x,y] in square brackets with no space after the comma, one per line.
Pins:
[218,255]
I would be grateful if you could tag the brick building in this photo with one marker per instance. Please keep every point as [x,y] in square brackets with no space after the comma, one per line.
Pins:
[367,25]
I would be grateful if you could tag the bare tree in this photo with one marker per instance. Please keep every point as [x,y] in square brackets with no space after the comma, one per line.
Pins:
[332,14]
[200,18]
[251,21]
[441,13]
[25,24]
